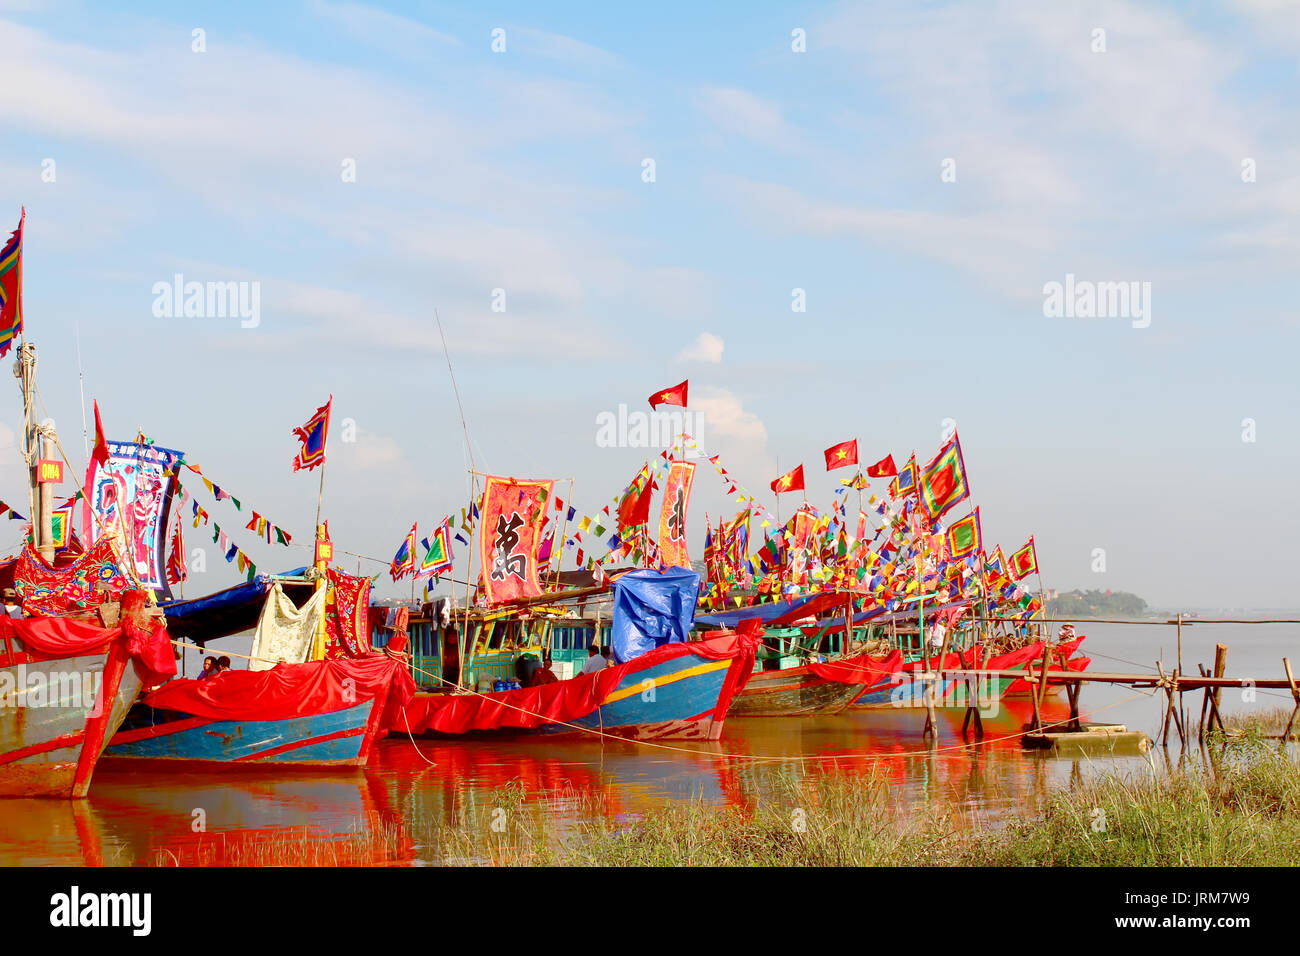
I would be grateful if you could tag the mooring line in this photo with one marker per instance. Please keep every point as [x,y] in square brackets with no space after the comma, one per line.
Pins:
[760,758]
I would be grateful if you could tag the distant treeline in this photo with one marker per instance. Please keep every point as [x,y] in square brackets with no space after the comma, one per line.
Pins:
[1096,604]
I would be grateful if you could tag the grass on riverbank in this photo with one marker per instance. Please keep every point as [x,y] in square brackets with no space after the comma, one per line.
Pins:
[1243,812]
[1243,809]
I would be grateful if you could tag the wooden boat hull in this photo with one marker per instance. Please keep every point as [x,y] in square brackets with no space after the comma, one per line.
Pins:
[342,738]
[908,693]
[50,747]
[679,694]
[792,692]
[676,699]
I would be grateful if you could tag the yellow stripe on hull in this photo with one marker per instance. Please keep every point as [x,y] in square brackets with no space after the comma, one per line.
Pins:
[663,679]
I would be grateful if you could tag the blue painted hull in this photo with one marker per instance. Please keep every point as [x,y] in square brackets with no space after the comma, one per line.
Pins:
[340,738]
[661,701]
[674,691]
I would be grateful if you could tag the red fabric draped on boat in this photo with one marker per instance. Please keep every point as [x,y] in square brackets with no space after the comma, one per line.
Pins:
[568,700]
[55,638]
[292,690]
[858,670]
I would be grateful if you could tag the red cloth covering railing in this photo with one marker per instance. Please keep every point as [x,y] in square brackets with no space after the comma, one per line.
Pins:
[861,669]
[56,638]
[88,581]
[568,700]
[292,690]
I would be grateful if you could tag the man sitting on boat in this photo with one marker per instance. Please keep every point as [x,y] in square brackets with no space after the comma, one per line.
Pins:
[595,662]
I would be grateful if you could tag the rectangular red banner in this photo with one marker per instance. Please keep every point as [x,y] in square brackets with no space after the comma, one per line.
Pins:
[513,513]
[672,518]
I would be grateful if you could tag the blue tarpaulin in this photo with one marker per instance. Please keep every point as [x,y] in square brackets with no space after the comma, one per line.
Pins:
[226,612]
[653,608]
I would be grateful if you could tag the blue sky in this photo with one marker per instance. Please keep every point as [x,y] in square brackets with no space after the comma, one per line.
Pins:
[775,170]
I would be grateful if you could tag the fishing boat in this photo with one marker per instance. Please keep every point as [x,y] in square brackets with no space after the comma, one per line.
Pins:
[307,716]
[682,690]
[67,685]
[301,713]
[82,638]
[663,684]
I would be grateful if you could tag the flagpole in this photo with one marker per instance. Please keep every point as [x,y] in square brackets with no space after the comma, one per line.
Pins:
[321,565]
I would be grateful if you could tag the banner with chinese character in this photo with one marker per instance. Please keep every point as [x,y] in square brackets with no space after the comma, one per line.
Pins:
[672,517]
[509,536]
[133,491]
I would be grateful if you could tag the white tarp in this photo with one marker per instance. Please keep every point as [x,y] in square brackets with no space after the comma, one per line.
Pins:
[285,632]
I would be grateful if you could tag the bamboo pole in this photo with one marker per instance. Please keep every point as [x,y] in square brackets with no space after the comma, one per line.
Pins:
[1295,695]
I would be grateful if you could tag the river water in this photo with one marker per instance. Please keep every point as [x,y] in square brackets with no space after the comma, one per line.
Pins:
[134,818]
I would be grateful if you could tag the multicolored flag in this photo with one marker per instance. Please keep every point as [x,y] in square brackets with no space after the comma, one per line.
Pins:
[904,482]
[842,455]
[61,526]
[634,506]
[312,435]
[943,481]
[670,396]
[11,287]
[672,516]
[129,497]
[509,535]
[965,536]
[437,552]
[176,569]
[885,468]
[735,544]
[1024,562]
[790,481]
[404,561]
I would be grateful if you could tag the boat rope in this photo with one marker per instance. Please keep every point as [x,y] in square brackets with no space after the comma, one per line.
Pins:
[415,746]
[763,758]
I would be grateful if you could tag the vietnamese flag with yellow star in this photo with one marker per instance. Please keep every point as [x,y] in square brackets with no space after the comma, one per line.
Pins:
[885,468]
[670,396]
[842,455]
[790,481]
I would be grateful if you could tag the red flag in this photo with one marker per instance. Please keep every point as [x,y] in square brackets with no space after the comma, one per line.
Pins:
[670,396]
[842,455]
[885,468]
[100,454]
[790,481]
[634,507]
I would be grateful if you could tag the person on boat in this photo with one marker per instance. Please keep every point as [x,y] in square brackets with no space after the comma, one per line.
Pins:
[209,668]
[607,652]
[223,664]
[543,675]
[594,660]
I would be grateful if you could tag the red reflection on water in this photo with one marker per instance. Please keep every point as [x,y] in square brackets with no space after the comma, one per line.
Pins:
[354,817]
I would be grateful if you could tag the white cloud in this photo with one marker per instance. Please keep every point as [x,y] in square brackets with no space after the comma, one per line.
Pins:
[706,348]
[725,417]
[383,29]
[741,112]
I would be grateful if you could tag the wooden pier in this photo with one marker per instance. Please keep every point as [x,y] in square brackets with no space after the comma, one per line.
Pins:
[1042,675]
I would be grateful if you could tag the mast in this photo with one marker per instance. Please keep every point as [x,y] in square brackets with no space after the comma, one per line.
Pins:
[36,446]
